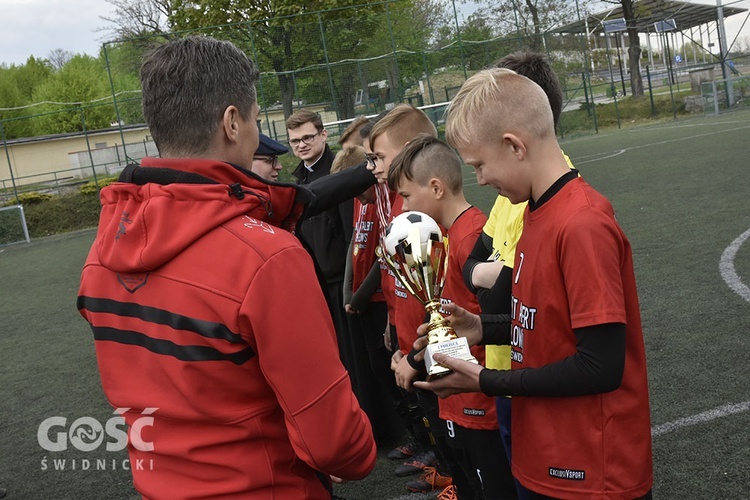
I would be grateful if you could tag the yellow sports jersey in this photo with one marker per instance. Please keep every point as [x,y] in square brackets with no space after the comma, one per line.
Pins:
[504,226]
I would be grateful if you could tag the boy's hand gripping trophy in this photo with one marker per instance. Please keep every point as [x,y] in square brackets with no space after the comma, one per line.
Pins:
[417,254]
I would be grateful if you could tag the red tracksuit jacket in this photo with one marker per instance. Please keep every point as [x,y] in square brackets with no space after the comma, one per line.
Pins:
[203,308]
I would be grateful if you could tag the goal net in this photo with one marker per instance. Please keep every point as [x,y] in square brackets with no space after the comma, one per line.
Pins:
[13,225]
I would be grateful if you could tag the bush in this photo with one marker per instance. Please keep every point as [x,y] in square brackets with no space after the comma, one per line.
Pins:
[28,199]
[61,214]
[629,110]
[90,187]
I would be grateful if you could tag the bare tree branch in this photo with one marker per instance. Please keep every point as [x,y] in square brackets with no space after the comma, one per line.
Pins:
[134,18]
[58,57]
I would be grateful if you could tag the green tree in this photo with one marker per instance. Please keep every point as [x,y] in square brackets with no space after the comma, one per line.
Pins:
[396,41]
[32,74]
[286,37]
[11,97]
[17,84]
[296,42]
[634,48]
[81,83]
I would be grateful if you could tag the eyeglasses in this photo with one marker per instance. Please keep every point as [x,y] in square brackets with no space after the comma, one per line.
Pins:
[271,160]
[371,159]
[305,139]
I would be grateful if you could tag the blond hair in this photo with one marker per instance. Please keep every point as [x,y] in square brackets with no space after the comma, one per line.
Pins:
[354,127]
[348,158]
[403,123]
[495,101]
[425,158]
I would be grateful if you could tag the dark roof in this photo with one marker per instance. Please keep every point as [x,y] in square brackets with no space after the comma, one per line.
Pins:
[647,12]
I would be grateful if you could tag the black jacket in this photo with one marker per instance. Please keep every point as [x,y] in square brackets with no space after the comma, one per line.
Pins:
[327,228]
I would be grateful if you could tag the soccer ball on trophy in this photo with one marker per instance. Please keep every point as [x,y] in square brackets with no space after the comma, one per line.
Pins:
[399,229]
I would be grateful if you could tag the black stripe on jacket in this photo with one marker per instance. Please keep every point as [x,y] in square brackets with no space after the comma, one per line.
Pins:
[169,348]
[207,329]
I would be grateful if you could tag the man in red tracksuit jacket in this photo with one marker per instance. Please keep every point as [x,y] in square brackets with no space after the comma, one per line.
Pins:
[186,288]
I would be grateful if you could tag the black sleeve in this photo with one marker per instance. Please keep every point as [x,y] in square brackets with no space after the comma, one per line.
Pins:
[496,300]
[347,285]
[480,253]
[416,365]
[495,329]
[346,214]
[330,190]
[595,368]
[361,296]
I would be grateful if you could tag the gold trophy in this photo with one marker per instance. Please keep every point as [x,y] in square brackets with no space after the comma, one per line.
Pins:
[417,254]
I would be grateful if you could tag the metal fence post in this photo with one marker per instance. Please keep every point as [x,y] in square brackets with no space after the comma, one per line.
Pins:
[260,79]
[650,91]
[88,147]
[114,98]
[427,77]
[328,66]
[460,42]
[397,71]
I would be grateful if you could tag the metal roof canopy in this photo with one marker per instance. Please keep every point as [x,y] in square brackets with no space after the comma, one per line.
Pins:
[647,12]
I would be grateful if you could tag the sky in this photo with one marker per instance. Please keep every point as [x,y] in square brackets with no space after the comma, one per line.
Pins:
[37,27]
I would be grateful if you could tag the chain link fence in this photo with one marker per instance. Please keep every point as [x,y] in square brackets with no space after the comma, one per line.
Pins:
[367,58]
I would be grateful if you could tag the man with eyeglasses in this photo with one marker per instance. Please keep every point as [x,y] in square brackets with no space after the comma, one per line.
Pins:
[327,233]
[265,160]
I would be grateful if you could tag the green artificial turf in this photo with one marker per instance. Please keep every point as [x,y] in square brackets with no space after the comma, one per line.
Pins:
[681,191]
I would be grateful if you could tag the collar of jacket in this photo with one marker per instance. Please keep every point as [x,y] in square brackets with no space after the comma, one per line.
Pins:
[284,202]
[325,159]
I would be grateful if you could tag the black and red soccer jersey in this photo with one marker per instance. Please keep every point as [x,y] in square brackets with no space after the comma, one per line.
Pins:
[366,239]
[574,269]
[472,410]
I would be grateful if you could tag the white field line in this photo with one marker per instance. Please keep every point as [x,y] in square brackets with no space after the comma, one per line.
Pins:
[726,267]
[706,416]
[659,143]
[658,430]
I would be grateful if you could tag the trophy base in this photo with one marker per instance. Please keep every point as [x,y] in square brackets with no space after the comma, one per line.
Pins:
[455,348]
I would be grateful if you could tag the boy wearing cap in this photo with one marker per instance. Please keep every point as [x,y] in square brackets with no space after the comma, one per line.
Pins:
[265,160]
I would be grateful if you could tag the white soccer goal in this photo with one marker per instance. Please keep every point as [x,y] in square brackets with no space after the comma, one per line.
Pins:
[13,227]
